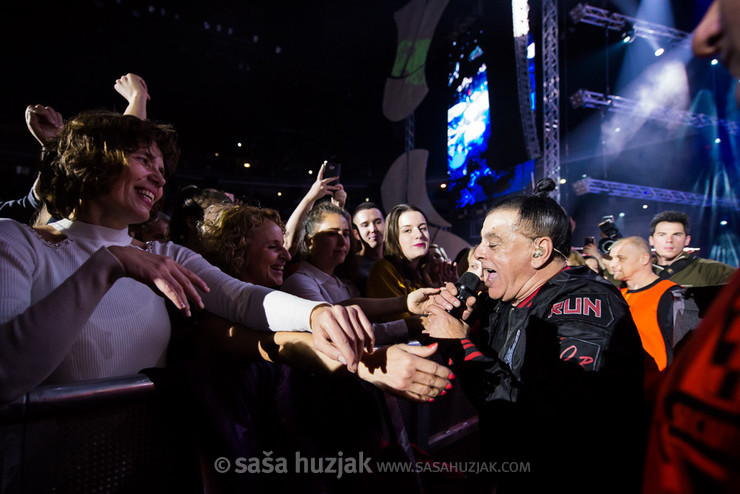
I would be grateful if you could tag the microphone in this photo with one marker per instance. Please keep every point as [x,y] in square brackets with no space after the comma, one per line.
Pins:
[466,287]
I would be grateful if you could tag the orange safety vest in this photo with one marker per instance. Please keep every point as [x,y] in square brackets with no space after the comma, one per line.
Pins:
[644,308]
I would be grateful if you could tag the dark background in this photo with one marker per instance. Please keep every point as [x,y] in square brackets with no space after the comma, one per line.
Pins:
[297,82]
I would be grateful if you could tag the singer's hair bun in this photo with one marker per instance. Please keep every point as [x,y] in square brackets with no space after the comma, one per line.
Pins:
[544,187]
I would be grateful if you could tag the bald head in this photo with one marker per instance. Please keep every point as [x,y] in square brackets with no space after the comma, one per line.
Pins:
[631,260]
[637,243]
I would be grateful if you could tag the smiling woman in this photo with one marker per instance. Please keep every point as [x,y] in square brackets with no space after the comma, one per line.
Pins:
[79,298]
[246,242]
[406,242]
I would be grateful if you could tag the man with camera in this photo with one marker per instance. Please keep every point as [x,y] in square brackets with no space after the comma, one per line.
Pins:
[669,234]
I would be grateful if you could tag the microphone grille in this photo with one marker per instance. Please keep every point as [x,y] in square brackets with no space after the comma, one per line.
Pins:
[469,280]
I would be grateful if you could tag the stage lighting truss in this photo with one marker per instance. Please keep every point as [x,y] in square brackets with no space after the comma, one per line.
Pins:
[520,12]
[626,25]
[594,186]
[591,99]
[550,158]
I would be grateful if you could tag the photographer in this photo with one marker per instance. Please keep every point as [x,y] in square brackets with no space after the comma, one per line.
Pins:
[609,235]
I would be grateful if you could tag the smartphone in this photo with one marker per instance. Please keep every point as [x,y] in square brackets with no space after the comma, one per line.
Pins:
[332,169]
[589,241]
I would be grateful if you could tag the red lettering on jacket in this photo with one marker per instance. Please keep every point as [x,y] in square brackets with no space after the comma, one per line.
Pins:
[573,310]
[589,305]
[585,360]
[581,306]
[568,353]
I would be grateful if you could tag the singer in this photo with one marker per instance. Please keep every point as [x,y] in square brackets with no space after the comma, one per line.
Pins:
[551,358]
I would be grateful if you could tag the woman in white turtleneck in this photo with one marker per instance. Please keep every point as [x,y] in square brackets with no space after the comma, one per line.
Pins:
[80,299]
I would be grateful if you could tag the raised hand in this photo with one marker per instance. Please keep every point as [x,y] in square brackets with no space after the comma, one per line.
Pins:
[404,370]
[163,274]
[339,197]
[44,122]
[133,88]
[448,272]
[322,187]
[342,333]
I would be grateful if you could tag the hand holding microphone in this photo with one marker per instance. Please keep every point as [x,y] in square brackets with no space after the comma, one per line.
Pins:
[465,287]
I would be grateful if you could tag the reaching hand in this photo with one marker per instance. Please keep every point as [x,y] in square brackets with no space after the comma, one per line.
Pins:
[404,370]
[342,333]
[43,122]
[438,323]
[161,272]
[418,300]
[446,299]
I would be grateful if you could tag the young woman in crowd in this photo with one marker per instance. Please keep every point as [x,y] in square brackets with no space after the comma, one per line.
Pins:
[405,243]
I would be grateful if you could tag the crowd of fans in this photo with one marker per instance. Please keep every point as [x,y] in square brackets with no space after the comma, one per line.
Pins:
[301,335]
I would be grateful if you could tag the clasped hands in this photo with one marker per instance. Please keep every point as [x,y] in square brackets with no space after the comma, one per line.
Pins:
[433,304]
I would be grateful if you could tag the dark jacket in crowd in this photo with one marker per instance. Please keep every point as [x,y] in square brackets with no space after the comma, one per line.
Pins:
[558,384]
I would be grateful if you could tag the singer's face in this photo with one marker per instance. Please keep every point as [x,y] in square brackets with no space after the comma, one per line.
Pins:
[504,254]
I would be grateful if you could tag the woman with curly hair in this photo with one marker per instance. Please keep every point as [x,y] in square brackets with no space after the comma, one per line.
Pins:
[246,242]
[80,299]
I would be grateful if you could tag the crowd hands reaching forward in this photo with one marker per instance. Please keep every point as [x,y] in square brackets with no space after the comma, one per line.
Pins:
[366,296]
[340,330]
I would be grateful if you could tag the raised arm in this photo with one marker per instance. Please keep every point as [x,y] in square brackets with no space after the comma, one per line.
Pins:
[294,226]
[43,122]
[133,88]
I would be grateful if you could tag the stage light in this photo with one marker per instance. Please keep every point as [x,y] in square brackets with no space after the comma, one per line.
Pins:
[247,165]
[621,215]
[723,222]
[562,180]
[717,140]
[442,186]
[628,34]
[310,172]
[644,206]
[215,154]
[280,194]
[659,52]
[715,61]
[238,144]
[618,129]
